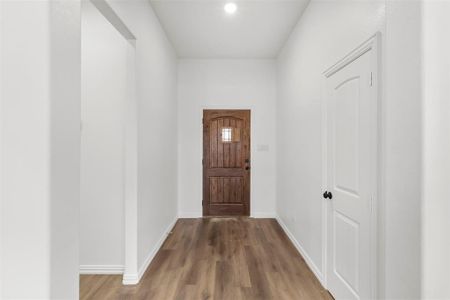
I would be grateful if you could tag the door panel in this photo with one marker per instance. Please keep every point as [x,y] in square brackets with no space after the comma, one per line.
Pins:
[226,162]
[346,132]
[349,138]
[226,189]
[346,256]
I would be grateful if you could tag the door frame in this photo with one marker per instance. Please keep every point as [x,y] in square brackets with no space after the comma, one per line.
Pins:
[249,206]
[377,210]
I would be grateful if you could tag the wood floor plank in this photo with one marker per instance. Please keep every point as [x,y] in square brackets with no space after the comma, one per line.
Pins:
[217,258]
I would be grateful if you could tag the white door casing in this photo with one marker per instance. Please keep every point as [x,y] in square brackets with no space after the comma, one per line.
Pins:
[351,106]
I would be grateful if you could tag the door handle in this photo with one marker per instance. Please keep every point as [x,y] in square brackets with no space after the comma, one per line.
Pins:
[247,162]
[328,195]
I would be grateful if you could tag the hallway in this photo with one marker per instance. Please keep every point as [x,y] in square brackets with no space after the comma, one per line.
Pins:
[217,258]
[224,149]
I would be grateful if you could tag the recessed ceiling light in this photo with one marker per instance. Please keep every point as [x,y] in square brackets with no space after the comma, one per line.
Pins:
[230,8]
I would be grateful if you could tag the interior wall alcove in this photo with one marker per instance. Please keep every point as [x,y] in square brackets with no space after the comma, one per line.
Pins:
[109,145]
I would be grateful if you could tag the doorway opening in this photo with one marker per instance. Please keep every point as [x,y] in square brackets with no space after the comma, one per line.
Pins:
[108,163]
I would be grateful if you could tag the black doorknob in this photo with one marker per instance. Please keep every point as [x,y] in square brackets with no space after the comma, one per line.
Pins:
[328,195]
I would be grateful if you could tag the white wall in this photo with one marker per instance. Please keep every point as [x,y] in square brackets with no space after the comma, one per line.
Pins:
[1,151]
[402,147]
[231,84]
[156,73]
[327,31]
[40,80]
[104,93]
[436,105]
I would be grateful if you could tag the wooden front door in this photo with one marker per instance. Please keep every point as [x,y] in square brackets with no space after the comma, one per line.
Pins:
[226,162]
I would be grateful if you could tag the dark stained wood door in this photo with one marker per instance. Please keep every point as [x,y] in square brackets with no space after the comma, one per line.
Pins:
[226,162]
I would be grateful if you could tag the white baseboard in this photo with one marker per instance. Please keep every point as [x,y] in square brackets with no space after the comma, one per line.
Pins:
[190,215]
[194,215]
[101,269]
[263,215]
[302,251]
[131,279]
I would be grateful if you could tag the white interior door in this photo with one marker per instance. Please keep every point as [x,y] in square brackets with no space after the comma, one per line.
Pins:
[351,155]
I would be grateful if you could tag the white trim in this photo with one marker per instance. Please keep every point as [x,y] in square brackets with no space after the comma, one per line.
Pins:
[101,269]
[353,55]
[263,215]
[376,162]
[131,164]
[1,157]
[303,253]
[372,44]
[377,203]
[256,215]
[131,279]
[324,183]
[189,215]
[107,11]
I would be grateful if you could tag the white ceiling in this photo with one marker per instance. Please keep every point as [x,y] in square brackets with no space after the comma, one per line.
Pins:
[202,29]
